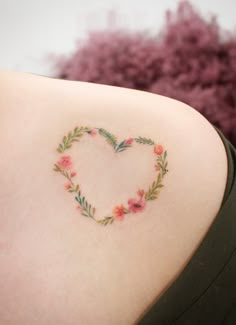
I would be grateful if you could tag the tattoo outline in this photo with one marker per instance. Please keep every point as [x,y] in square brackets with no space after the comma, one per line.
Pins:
[64,166]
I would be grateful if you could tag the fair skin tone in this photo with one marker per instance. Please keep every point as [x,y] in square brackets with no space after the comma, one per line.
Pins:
[59,267]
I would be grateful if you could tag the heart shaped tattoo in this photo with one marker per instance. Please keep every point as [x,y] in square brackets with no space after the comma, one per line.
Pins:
[64,166]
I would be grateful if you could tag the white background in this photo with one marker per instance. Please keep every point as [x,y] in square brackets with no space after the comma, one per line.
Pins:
[31,30]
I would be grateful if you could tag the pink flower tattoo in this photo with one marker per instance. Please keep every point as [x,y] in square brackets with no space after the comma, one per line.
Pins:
[67,186]
[73,174]
[65,162]
[158,149]
[93,132]
[136,205]
[129,141]
[118,212]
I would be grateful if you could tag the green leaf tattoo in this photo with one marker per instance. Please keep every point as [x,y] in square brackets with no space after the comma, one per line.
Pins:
[70,138]
[87,209]
[144,140]
[110,138]
[153,192]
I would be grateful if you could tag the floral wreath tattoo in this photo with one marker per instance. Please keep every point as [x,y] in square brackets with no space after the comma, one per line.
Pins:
[65,167]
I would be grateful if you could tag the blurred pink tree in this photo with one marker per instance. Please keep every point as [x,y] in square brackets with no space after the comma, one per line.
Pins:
[190,60]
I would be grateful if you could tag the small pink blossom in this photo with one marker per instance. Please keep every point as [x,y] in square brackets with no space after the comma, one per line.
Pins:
[65,162]
[68,186]
[140,193]
[158,149]
[156,167]
[136,205]
[129,141]
[119,212]
[72,174]
[93,132]
[79,207]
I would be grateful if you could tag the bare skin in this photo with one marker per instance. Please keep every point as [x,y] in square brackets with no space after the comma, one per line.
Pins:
[59,267]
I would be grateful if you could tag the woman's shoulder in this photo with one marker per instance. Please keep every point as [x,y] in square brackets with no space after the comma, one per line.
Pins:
[106,193]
